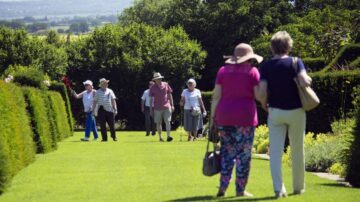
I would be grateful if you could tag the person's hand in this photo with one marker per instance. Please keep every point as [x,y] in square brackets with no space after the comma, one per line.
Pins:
[204,113]
[265,107]
[172,109]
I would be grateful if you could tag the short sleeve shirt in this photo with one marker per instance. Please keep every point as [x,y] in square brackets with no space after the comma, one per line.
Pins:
[146,98]
[103,98]
[161,95]
[191,98]
[279,75]
[237,105]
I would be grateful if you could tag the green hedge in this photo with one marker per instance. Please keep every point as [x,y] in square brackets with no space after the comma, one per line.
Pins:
[59,115]
[335,91]
[16,146]
[345,57]
[28,76]
[60,87]
[353,166]
[355,64]
[314,64]
[39,112]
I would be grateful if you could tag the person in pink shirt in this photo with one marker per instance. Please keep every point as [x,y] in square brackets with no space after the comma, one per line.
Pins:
[161,94]
[233,110]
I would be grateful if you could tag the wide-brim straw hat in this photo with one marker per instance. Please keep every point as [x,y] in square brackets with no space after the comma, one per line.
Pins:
[157,75]
[103,81]
[242,53]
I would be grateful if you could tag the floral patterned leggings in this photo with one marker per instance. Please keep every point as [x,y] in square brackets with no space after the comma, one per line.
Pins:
[236,146]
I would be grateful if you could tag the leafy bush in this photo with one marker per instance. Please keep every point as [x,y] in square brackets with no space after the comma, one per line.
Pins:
[338,169]
[355,64]
[353,164]
[261,139]
[134,52]
[28,76]
[345,56]
[37,107]
[314,64]
[59,114]
[16,146]
[60,87]
[330,85]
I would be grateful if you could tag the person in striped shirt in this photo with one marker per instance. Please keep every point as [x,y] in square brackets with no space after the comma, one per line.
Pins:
[105,109]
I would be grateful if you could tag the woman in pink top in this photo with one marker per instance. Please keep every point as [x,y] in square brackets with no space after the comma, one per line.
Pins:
[234,112]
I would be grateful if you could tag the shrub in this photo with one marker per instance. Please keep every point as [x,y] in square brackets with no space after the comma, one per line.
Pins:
[16,146]
[261,139]
[346,55]
[28,76]
[60,87]
[335,91]
[59,114]
[338,169]
[37,107]
[314,64]
[353,166]
[355,64]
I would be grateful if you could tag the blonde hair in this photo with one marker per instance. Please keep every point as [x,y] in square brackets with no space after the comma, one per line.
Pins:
[281,42]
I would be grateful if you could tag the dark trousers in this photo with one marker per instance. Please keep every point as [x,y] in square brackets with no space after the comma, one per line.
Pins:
[109,118]
[149,122]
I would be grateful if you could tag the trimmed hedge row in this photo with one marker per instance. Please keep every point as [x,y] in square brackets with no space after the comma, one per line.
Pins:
[32,120]
[17,149]
[335,91]
[345,57]
[353,175]
[60,87]
[39,113]
[314,64]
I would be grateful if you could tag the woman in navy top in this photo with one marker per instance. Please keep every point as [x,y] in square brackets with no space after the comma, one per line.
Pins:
[279,96]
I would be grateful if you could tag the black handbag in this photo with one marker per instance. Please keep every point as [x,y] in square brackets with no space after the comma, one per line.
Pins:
[214,136]
[211,162]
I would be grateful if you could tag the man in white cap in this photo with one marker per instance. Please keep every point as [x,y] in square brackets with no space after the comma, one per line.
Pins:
[105,104]
[88,97]
[160,92]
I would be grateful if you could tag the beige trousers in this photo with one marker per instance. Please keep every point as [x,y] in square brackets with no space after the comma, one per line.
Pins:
[292,122]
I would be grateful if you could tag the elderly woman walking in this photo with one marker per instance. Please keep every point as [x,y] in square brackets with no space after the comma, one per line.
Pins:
[87,97]
[194,109]
[234,110]
[278,92]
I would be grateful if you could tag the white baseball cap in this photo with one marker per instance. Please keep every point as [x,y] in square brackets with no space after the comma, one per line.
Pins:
[88,82]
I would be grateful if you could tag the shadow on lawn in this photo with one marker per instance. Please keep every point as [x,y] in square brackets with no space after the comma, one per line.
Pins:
[208,198]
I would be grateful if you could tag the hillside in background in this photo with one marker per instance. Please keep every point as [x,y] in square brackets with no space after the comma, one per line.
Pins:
[40,8]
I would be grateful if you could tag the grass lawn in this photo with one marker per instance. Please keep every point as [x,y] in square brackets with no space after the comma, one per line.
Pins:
[139,168]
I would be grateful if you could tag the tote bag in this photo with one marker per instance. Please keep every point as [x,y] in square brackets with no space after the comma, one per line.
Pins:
[308,97]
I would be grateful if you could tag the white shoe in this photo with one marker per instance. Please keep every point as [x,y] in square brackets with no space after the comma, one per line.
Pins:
[84,139]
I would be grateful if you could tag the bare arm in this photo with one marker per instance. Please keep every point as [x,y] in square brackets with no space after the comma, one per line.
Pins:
[260,92]
[113,102]
[142,105]
[215,100]
[151,105]
[182,101]
[171,102]
[202,105]
[77,96]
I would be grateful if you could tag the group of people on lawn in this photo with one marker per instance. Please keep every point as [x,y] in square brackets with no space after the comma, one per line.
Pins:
[233,109]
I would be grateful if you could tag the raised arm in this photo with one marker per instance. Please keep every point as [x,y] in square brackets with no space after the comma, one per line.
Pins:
[77,96]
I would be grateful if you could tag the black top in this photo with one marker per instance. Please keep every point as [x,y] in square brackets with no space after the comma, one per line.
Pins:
[282,90]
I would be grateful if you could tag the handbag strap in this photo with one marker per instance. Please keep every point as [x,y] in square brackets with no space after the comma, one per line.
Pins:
[295,64]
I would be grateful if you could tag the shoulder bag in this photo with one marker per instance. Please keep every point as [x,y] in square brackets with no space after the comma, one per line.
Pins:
[308,97]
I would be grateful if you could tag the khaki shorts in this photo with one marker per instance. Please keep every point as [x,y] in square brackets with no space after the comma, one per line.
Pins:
[160,115]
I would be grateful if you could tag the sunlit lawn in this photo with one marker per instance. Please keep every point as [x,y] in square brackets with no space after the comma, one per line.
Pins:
[139,168]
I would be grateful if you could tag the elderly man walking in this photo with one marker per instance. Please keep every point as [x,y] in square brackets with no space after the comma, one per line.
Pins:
[105,109]
[161,93]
